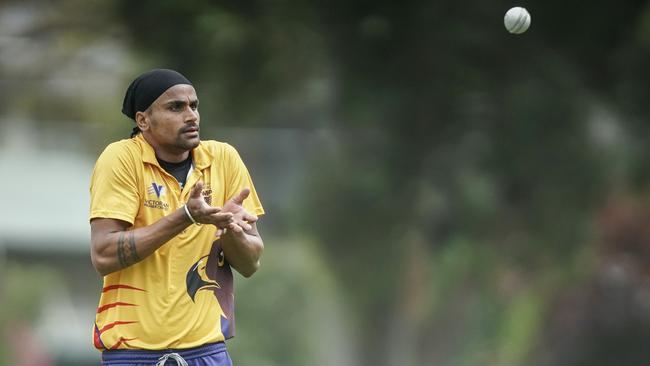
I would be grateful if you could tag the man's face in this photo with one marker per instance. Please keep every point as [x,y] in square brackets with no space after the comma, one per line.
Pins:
[171,124]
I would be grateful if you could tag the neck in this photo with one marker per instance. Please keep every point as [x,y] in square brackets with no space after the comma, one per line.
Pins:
[168,154]
[171,157]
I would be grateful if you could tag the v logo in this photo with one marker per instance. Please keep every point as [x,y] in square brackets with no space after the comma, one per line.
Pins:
[158,189]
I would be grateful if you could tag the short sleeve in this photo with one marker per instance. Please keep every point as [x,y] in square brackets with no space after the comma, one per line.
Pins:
[113,187]
[238,179]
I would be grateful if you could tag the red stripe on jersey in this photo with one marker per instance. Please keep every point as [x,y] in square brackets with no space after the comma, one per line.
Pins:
[115,287]
[114,324]
[123,341]
[112,305]
[98,342]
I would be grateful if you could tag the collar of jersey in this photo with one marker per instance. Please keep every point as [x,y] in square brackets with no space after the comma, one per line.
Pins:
[201,157]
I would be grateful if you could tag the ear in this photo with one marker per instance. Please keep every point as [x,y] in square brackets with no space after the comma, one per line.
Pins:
[142,120]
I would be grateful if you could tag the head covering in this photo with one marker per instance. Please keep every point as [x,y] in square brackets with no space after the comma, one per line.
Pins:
[146,88]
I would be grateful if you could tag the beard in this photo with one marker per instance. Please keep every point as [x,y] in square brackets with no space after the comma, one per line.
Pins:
[185,142]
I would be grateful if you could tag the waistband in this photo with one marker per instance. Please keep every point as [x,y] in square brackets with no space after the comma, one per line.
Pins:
[144,356]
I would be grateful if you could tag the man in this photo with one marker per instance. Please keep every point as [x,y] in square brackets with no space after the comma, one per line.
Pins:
[170,215]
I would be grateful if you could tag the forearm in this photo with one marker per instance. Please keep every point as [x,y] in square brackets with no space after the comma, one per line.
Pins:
[119,248]
[243,251]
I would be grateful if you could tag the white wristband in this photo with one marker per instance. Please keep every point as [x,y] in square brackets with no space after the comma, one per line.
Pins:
[187,211]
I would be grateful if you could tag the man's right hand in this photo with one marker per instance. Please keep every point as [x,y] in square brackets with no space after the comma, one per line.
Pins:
[204,213]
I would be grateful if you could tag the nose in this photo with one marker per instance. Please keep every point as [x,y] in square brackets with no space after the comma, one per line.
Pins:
[191,115]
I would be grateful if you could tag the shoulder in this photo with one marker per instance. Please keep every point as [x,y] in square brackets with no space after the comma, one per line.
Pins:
[219,148]
[125,146]
[126,150]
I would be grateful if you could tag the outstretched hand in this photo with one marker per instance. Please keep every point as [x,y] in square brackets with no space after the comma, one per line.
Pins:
[204,213]
[241,219]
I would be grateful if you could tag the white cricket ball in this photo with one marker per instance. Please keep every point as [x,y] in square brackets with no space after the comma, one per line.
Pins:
[517,20]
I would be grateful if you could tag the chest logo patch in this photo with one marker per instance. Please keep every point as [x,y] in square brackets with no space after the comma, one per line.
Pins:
[158,190]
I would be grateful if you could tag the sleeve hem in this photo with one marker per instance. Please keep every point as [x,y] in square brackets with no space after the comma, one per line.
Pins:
[259,211]
[111,215]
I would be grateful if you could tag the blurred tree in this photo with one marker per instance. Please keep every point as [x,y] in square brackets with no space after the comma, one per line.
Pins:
[603,319]
[449,136]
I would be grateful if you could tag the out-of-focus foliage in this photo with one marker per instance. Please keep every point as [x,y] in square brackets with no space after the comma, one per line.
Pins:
[254,61]
[293,302]
[468,164]
[24,290]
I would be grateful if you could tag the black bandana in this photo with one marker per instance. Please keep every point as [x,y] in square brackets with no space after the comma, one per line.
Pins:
[146,88]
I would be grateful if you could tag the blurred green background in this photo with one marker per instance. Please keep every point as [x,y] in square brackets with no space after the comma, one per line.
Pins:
[439,191]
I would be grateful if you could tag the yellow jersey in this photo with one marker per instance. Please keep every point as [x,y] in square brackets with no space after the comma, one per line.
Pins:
[181,296]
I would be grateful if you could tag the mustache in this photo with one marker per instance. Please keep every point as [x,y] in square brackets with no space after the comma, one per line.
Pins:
[190,127]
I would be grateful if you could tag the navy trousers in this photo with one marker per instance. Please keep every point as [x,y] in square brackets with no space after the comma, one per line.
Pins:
[214,354]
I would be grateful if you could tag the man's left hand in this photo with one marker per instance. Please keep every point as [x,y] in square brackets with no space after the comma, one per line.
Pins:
[241,219]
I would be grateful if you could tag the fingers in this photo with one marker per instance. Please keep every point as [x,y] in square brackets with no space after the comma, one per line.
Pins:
[243,225]
[236,228]
[196,190]
[249,218]
[231,216]
[203,213]
[241,196]
[219,219]
[210,210]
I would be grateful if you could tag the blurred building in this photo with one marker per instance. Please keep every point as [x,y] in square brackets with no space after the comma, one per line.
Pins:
[44,225]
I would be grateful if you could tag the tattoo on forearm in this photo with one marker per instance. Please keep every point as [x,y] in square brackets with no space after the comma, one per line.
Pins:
[126,252]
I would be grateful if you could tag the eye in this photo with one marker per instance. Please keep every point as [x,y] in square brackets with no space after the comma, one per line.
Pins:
[176,106]
[194,105]
[221,259]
